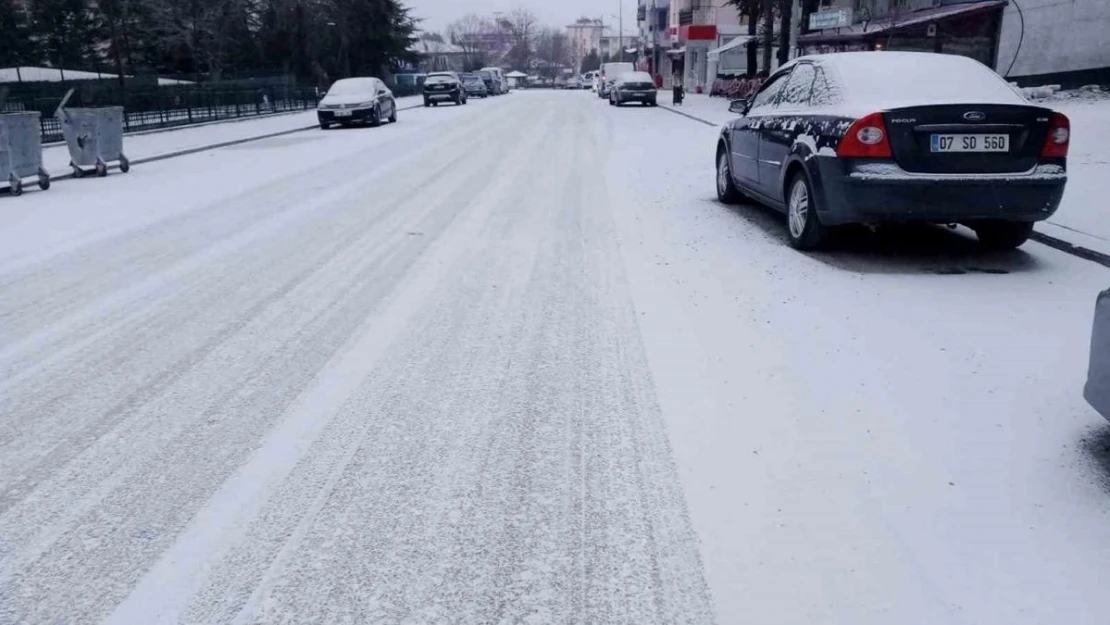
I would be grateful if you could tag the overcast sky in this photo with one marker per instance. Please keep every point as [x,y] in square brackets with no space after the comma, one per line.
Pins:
[438,13]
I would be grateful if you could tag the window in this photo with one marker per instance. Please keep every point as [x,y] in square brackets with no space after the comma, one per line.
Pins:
[824,91]
[768,92]
[797,89]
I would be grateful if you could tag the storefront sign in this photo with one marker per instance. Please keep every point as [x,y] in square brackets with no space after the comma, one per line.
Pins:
[830,18]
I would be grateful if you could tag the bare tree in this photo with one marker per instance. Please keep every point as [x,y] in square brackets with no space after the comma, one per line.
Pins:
[521,24]
[468,32]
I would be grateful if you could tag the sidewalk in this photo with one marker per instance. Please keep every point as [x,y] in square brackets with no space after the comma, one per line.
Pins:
[145,146]
[1084,215]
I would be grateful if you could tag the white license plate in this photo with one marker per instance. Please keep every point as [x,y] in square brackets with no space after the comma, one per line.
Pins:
[342,113]
[970,143]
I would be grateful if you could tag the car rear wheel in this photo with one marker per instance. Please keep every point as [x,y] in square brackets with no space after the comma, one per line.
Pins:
[804,226]
[1003,235]
[727,192]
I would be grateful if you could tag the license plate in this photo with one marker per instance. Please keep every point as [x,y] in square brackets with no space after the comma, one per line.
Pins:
[342,113]
[970,143]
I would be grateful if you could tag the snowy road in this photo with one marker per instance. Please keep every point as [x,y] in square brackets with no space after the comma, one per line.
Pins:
[510,363]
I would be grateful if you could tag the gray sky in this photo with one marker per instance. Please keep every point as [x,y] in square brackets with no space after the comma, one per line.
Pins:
[438,13]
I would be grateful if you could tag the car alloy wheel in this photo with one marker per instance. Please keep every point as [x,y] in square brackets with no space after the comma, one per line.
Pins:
[806,230]
[727,192]
[798,208]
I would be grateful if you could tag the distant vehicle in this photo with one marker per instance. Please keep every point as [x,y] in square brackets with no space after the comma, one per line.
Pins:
[1097,390]
[443,88]
[487,77]
[633,87]
[574,82]
[474,85]
[560,82]
[589,80]
[609,72]
[500,85]
[870,137]
[351,100]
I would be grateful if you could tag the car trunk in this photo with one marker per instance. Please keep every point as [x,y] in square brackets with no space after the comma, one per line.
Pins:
[966,138]
[639,86]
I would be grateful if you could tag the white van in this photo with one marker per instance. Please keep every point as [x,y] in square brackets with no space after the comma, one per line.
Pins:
[500,85]
[609,73]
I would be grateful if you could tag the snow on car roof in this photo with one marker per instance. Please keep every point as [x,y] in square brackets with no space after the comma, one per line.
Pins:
[635,76]
[884,80]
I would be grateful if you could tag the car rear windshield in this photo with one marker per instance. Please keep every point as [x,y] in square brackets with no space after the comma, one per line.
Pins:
[920,78]
[437,80]
[637,77]
[352,87]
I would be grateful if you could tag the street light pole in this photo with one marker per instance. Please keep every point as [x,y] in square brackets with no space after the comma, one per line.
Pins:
[620,29]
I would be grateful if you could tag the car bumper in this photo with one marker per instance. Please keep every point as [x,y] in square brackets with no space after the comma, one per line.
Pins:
[1097,390]
[329,116]
[637,96]
[867,192]
[441,96]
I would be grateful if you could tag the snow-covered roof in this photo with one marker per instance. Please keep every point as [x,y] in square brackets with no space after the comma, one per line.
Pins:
[53,74]
[429,46]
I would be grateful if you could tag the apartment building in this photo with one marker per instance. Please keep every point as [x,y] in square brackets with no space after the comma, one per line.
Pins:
[694,29]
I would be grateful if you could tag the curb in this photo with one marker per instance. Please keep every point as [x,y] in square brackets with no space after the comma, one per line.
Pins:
[1061,245]
[216,146]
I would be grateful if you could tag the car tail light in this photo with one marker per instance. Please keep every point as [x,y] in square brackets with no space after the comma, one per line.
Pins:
[866,138]
[1059,137]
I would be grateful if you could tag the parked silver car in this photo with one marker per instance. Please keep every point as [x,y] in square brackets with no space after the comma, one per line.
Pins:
[1097,391]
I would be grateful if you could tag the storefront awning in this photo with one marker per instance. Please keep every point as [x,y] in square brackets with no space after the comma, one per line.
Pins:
[715,53]
[866,30]
[677,51]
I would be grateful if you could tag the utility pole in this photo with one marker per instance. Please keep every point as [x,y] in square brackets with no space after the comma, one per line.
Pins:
[620,31]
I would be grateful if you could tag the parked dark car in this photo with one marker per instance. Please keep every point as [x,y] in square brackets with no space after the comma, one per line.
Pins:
[871,137]
[633,87]
[1097,390]
[443,88]
[474,85]
[490,81]
[356,100]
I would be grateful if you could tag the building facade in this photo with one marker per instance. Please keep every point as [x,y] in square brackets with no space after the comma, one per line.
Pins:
[694,29]
[583,36]
[966,27]
[1053,42]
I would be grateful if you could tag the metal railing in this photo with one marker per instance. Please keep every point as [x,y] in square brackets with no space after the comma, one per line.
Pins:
[164,107]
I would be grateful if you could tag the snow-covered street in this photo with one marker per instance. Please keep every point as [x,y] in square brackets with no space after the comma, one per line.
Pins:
[512,362]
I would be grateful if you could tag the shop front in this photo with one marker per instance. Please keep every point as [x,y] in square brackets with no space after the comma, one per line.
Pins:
[970,30]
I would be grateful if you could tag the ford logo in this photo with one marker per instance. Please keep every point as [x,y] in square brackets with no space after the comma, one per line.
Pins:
[975,116]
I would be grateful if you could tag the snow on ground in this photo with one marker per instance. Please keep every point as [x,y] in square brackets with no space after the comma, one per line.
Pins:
[888,433]
[492,364]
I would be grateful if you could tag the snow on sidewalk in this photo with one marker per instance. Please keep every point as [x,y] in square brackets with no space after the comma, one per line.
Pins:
[1083,219]
[152,144]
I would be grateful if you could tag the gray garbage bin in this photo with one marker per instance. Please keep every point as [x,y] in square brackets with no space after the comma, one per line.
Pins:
[21,151]
[94,137]
[1097,391]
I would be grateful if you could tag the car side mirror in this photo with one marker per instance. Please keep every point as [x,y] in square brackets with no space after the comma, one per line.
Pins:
[740,107]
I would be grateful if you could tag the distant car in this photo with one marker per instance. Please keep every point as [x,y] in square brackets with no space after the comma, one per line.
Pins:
[356,100]
[633,87]
[474,85]
[1097,390]
[872,137]
[573,82]
[498,83]
[608,73]
[560,83]
[443,88]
